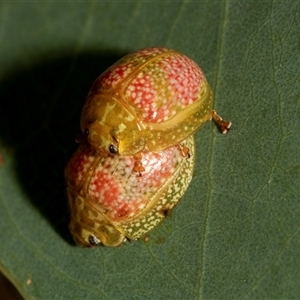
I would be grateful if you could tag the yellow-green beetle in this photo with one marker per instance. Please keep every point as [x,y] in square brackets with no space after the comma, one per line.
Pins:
[150,100]
[109,203]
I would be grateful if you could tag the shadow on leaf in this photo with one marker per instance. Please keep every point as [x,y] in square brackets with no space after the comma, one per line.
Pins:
[39,120]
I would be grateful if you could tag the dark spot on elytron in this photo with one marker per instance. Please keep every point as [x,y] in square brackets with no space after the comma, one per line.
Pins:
[165,211]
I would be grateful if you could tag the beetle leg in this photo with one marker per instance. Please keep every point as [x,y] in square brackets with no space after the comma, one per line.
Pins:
[82,136]
[183,150]
[224,126]
[138,166]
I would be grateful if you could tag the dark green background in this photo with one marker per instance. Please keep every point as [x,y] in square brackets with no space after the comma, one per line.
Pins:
[235,234]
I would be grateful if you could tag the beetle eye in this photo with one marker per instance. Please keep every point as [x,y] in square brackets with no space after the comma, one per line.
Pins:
[113,149]
[93,240]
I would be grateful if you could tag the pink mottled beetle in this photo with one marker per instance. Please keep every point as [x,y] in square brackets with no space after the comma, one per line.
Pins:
[109,203]
[150,100]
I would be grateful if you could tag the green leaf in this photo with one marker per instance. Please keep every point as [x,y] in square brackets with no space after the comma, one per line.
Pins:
[235,234]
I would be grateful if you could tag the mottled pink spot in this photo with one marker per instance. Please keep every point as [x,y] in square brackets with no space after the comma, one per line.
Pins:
[143,95]
[152,51]
[158,167]
[110,193]
[184,76]
[111,77]
[105,189]
[78,166]
[122,211]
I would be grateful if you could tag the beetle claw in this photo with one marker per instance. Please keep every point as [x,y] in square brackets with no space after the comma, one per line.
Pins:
[183,150]
[224,126]
[138,166]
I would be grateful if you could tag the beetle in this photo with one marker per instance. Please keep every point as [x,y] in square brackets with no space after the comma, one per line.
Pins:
[149,100]
[110,204]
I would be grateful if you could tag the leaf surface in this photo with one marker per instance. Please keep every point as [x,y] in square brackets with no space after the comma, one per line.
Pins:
[235,234]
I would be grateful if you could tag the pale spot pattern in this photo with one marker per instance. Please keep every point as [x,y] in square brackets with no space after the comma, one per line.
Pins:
[106,192]
[164,87]
[82,162]
[120,191]
[123,68]
[161,82]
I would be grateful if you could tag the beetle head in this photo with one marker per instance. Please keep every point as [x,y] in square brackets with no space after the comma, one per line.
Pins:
[86,236]
[111,127]
[89,227]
